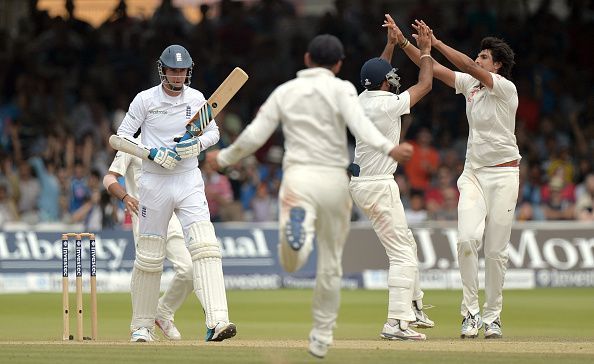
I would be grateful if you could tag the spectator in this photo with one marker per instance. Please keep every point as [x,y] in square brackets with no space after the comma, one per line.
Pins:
[8,209]
[416,213]
[585,203]
[424,162]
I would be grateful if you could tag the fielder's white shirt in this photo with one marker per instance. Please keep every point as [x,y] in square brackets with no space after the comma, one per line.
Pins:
[314,110]
[491,118]
[162,118]
[128,166]
[384,109]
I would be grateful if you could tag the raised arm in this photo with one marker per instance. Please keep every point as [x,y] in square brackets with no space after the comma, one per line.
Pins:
[459,59]
[440,72]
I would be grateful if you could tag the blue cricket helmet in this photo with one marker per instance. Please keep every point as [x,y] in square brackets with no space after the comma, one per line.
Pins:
[175,56]
[377,70]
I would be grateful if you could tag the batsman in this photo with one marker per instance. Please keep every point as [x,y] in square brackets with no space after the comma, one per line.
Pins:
[171,181]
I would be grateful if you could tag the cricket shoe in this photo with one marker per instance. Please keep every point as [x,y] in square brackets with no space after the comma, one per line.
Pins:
[422,320]
[317,347]
[401,331]
[142,335]
[294,230]
[221,331]
[471,325]
[168,328]
[493,330]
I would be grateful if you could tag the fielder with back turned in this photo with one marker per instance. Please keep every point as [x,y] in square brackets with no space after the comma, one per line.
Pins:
[314,110]
[171,181]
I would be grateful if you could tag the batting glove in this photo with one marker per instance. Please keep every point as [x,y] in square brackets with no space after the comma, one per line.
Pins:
[164,157]
[188,148]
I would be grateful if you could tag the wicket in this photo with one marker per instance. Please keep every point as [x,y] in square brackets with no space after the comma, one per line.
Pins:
[79,291]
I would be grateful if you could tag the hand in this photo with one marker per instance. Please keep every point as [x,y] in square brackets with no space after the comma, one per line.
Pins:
[417,24]
[164,157]
[402,152]
[188,148]
[211,159]
[131,204]
[423,39]
[394,33]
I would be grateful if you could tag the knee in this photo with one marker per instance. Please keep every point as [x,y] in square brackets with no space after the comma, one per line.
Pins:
[185,271]
[467,248]
[496,254]
[150,253]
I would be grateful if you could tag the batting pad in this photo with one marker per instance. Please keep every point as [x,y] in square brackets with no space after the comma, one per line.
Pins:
[146,279]
[209,283]
[150,253]
[401,282]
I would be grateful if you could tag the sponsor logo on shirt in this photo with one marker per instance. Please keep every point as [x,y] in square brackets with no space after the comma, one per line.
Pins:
[163,112]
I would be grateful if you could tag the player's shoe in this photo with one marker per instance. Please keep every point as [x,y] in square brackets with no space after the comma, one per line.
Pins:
[422,320]
[168,328]
[294,230]
[493,330]
[401,331]
[142,335]
[221,331]
[317,347]
[471,325]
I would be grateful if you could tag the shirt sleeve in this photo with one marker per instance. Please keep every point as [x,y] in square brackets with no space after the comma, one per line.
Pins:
[357,122]
[120,163]
[464,83]
[134,117]
[402,105]
[210,136]
[255,134]
[502,87]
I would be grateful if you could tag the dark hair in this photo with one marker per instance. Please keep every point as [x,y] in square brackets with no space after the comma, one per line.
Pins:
[501,52]
[325,50]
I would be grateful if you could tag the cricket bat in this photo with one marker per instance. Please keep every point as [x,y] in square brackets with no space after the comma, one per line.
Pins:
[215,103]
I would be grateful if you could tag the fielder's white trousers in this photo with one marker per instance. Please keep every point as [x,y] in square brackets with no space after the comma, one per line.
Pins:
[323,193]
[379,198]
[485,215]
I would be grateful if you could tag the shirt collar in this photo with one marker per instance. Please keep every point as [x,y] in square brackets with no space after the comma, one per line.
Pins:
[164,98]
[314,72]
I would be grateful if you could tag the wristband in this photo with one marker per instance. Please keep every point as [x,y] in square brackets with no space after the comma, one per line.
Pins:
[122,199]
[404,44]
[424,55]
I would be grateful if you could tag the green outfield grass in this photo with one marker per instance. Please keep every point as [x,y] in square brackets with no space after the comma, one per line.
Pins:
[553,325]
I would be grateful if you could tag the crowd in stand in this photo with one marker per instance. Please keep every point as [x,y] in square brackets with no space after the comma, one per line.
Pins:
[65,87]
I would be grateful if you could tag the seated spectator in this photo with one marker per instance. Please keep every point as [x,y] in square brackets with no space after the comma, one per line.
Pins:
[585,203]
[435,197]
[8,209]
[264,205]
[416,213]
[530,196]
[217,190]
[558,201]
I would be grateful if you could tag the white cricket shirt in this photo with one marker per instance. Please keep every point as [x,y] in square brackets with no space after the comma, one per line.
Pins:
[384,109]
[128,166]
[314,110]
[162,118]
[491,118]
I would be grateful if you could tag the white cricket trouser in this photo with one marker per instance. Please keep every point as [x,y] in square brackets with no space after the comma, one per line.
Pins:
[323,193]
[160,196]
[485,213]
[379,198]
